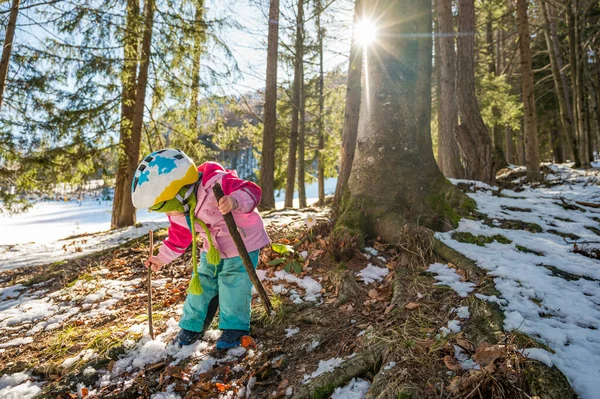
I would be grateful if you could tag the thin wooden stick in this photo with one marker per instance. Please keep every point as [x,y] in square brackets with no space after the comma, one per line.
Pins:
[241,247]
[151,328]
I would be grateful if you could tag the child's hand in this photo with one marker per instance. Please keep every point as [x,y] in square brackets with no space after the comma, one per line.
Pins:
[154,262]
[227,204]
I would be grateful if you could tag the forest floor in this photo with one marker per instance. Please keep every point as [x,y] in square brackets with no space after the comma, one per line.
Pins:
[383,321]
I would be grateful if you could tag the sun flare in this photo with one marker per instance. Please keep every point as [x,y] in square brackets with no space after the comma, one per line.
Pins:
[365,32]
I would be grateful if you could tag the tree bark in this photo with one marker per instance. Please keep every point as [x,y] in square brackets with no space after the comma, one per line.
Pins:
[472,136]
[510,145]
[320,124]
[199,39]
[498,140]
[123,212]
[296,97]
[302,135]
[579,93]
[574,55]
[352,110]
[529,115]
[394,178]
[267,162]
[448,152]
[561,94]
[7,49]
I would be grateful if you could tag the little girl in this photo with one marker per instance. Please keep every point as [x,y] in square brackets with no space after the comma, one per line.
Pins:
[168,181]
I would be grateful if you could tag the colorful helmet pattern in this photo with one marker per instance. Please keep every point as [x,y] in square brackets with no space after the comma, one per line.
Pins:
[160,176]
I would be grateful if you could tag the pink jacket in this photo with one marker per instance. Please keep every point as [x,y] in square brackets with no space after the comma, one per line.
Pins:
[250,224]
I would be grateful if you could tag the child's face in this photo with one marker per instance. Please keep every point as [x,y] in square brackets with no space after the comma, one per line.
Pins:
[174,213]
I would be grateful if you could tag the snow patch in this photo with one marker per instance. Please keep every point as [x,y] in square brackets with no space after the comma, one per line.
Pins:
[16,342]
[325,366]
[291,332]
[372,273]
[18,386]
[448,276]
[356,389]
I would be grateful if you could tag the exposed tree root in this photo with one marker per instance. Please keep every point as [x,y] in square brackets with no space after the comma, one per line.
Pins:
[347,287]
[365,361]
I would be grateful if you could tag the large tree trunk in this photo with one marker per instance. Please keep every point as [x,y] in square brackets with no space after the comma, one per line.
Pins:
[7,49]
[395,178]
[529,116]
[448,152]
[321,133]
[123,212]
[267,161]
[199,39]
[352,110]
[472,136]
[561,95]
[291,170]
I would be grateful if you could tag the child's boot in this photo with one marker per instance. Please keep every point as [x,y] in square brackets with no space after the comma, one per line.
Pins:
[230,339]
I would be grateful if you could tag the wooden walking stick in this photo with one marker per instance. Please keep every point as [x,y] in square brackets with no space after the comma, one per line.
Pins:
[150,327]
[241,247]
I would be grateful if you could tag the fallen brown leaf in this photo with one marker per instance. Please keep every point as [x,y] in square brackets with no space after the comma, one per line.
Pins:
[451,363]
[466,344]
[486,353]
[411,306]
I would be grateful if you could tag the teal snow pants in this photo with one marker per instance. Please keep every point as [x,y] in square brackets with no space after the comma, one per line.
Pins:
[230,286]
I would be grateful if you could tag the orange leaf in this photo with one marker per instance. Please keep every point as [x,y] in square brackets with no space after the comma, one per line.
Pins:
[221,387]
[248,342]
[84,392]
[411,306]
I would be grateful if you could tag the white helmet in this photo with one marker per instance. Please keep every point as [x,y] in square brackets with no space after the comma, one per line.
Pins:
[160,176]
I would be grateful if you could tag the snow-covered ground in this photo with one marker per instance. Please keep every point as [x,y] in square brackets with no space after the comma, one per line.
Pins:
[552,295]
[49,221]
[38,236]
[312,193]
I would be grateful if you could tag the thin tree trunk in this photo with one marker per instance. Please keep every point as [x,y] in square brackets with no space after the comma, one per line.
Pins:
[567,128]
[574,60]
[448,152]
[123,212]
[320,124]
[302,135]
[499,158]
[510,145]
[267,161]
[579,87]
[556,140]
[199,39]
[7,49]
[351,112]
[472,136]
[291,170]
[529,115]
